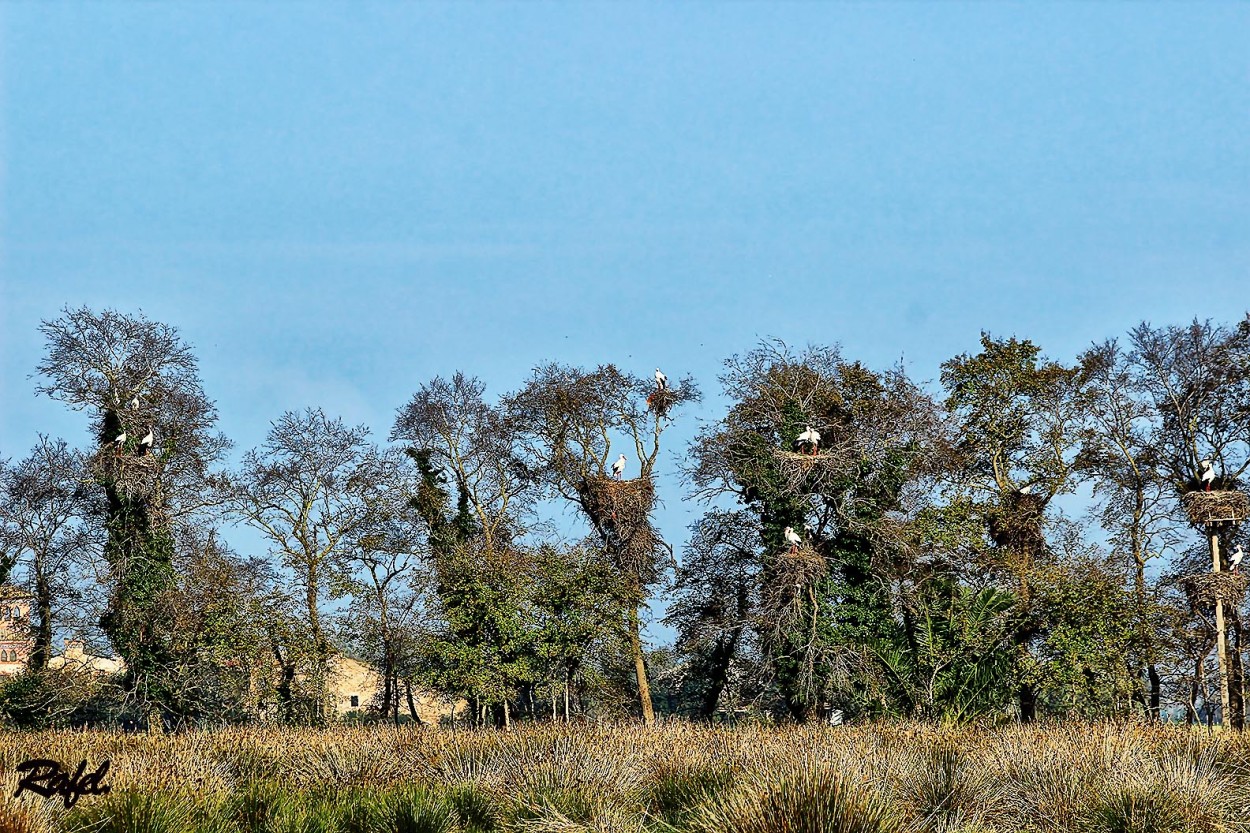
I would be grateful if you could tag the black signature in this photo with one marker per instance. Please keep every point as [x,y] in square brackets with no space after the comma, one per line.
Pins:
[46,778]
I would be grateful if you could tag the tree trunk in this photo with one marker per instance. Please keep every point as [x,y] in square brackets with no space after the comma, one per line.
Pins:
[1236,677]
[412,705]
[42,649]
[1028,703]
[640,668]
[718,672]
[1156,691]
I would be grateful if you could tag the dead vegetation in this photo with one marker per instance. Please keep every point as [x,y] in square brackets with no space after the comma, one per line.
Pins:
[620,510]
[1217,507]
[896,776]
[1204,589]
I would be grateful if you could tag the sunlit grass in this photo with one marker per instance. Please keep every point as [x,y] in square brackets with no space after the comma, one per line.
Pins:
[674,777]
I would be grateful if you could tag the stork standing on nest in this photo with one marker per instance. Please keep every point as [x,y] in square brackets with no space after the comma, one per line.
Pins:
[1235,558]
[1026,489]
[809,438]
[134,403]
[618,468]
[793,539]
[145,444]
[118,442]
[661,381]
[1208,474]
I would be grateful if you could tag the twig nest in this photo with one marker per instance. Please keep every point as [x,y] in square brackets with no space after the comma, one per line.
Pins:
[801,567]
[661,401]
[803,473]
[1017,523]
[135,477]
[620,511]
[786,588]
[1206,588]
[1216,507]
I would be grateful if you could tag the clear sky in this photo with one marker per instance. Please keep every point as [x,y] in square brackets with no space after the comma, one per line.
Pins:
[336,202]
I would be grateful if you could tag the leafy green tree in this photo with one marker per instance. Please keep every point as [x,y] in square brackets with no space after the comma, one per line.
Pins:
[576,600]
[1019,421]
[818,614]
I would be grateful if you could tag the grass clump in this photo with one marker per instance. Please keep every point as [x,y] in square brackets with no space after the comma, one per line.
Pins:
[811,799]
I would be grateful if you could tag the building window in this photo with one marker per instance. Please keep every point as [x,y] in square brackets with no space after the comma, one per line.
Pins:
[355,702]
[4,656]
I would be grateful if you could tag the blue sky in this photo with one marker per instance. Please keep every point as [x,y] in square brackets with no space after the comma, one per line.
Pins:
[336,202]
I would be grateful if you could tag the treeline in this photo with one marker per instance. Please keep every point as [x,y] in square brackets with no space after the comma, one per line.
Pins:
[913,560]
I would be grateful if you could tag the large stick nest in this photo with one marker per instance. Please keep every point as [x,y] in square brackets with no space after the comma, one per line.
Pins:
[804,473]
[661,401]
[133,476]
[620,511]
[1205,588]
[784,591]
[1217,507]
[1016,525]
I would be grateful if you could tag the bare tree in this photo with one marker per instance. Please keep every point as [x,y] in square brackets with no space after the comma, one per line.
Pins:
[1135,496]
[43,532]
[459,433]
[310,489]
[1198,379]
[568,418]
[155,451]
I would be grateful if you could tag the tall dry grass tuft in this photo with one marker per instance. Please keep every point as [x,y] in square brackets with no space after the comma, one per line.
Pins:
[812,798]
[902,776]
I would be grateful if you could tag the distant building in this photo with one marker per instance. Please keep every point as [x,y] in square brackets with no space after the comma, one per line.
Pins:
[355,685]
[352,684]
[76,658]
[16,642]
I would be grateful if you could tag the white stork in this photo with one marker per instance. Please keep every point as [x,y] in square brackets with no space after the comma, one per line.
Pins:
[1235,558]
[810,437]
[1208,474]
[119,441]
[145,444]
[793,539]
[618,468]
[661,381]
[134,403]
[1026,489]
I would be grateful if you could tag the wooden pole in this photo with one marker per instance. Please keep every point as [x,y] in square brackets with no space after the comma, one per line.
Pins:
[1220,641]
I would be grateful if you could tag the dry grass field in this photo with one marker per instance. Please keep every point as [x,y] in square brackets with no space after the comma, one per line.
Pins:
[675,777]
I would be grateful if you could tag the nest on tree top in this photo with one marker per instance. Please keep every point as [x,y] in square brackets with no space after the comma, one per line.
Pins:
[620,511]
[1217,507]
[803,473]
[1205,588]
[661,400]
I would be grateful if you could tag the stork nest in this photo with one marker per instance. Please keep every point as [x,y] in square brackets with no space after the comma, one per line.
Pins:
[801,566]
[1206,588]
[620,512]
[1218,507]
[661,401]
[134,477]
[784,592]
[803,473]
[1016,525]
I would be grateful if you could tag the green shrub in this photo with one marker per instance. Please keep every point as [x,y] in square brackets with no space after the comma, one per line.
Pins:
[417,810]
[476,808]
